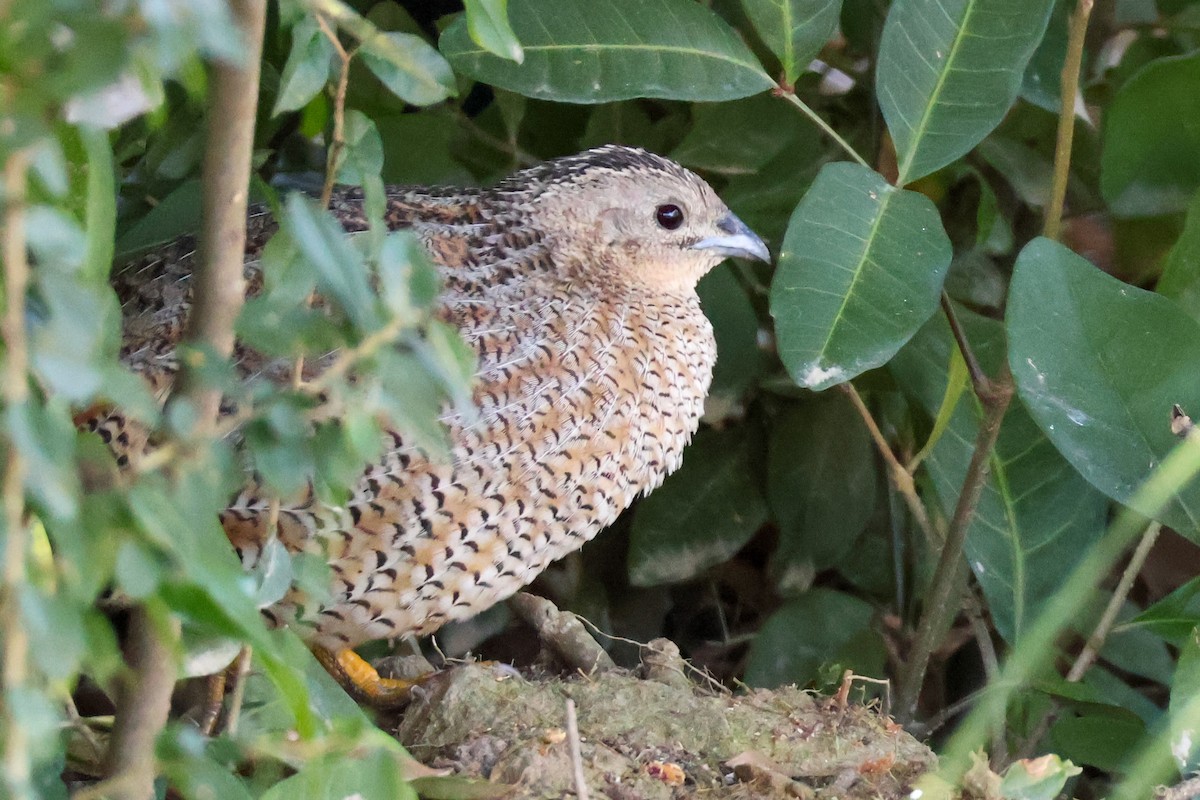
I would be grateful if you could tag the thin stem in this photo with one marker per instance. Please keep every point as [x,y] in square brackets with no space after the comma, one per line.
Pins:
[790,95]
[1072,63]
[1095,643]
[946,582]
[980,382]
[241,670]
[15,394]
[901,478]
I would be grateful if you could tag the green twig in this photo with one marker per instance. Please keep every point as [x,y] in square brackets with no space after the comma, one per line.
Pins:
[789,94]
[1076,29]
[15,394]
[902,479]
[947,577]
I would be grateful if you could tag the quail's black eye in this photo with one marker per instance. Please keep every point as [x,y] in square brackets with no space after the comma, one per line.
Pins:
[669,216]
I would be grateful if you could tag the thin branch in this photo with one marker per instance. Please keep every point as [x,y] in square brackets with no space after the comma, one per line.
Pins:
[142,706]
[946,583]
[1072,63]
[218,295]
[15,393]
[902,479]
[241,671]
[1095,643]
[980,382]
[789,94]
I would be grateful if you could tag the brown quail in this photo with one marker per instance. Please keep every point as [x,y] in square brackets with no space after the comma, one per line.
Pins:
[574,282]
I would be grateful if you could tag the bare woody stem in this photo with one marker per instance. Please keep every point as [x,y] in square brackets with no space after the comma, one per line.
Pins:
[219,286]
[945,584]
[218,293]
[15,393]
[1072,64]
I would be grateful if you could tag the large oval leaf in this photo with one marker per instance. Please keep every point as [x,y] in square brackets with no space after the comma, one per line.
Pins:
[820,628]
[1149,163]
[701,515]
[820,485]
[795,30]
[860,271]
[598,51]
[948,72]
[1099,364]
[1036,516]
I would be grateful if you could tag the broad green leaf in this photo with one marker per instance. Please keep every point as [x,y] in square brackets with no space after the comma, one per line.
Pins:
[701,515]
[739,137]
[1099,364]
[1181,271]
[376,775]
[1104,739]
[948,72]
[487,22]
[735,325]
[860,271]
[307,69]
[597,51]
[1036,516]
[409,67]
[795,30]
[175,215]
[1149,165]
[798,639]
[820,484]
[1184,710]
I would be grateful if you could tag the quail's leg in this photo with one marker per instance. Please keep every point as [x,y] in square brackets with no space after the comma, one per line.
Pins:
[360,678]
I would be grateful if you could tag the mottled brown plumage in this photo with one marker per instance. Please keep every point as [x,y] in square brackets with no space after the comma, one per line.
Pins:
[574,282]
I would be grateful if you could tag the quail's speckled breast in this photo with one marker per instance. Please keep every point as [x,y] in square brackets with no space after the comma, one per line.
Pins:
[574,282]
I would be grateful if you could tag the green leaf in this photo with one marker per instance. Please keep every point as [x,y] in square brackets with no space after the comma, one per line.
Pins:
[1039,779]
[1181,271]
[377,775]
[860,271]
[362,158]
[1148,165]
[597,51]
[739,137]
[307,69]
[175,215]
[487,22]
[701,515]
[1184,710]
[1099,364]
[948,72]
[798,639]
[1036,516]
[795,30]
[1102,740]
[341,268]
[1175,616]
[409,67]
[739,359]
[820,484]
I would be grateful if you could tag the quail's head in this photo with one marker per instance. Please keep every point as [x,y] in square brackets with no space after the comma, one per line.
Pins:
[631,217]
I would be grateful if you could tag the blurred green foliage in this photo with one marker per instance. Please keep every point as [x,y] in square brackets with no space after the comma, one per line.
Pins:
[784,549]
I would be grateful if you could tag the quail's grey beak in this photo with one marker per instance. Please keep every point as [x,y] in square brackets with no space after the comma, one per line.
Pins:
[736,241]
